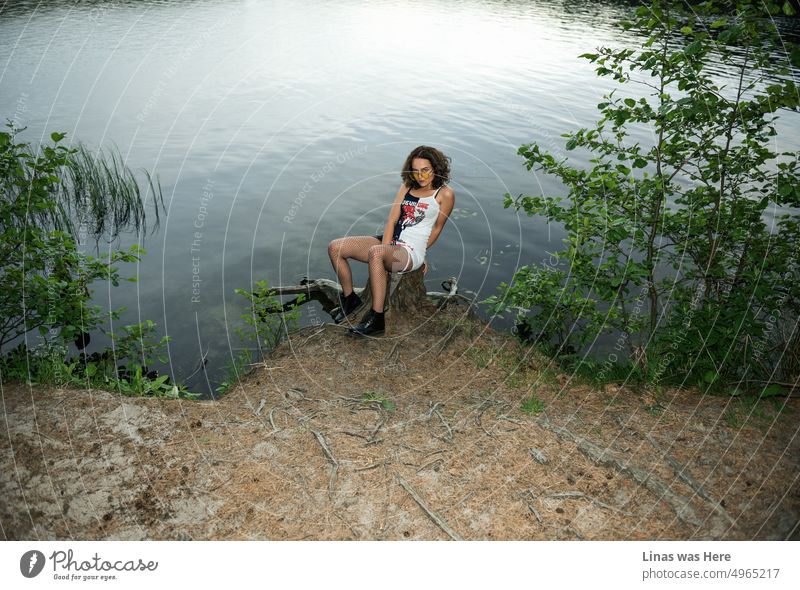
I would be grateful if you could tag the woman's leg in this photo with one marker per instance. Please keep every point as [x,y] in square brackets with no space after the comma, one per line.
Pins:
[383,258]
[340,249]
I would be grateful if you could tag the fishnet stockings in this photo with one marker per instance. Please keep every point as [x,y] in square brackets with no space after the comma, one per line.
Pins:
[381,259]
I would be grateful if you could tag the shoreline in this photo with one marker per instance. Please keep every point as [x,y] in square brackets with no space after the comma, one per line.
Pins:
[339,438]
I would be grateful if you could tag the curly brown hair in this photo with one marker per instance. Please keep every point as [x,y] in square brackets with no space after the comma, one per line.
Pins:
[439,162]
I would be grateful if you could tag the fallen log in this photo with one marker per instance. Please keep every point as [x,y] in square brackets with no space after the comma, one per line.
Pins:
[406,295]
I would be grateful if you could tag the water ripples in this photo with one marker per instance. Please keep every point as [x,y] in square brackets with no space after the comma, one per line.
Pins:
[306,112]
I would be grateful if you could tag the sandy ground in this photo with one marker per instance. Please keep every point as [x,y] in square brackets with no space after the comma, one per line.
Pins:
[419,434]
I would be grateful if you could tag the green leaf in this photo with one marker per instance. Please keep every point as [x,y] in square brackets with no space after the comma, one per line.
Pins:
[693,48]
[710,376]
[788,9]
[620,117]
[719,23]
[572,144]
[794,57]
[785,190]
[639,163]
[686,30]
[56,137]
[630,102]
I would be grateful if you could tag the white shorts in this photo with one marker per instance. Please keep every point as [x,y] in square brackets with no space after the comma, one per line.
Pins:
[416,258]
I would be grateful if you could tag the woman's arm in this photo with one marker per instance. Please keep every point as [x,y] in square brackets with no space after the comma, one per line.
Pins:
[394,215]
[448,201]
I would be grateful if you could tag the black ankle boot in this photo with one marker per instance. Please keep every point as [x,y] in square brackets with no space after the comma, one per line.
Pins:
[347,306]
[371,323]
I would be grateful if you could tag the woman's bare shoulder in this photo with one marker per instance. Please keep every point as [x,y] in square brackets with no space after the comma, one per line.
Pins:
[447,193]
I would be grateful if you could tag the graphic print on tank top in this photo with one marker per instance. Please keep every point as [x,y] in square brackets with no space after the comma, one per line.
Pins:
[417,217]
[412,212]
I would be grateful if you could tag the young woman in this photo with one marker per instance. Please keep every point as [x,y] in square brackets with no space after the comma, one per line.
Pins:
[420,209]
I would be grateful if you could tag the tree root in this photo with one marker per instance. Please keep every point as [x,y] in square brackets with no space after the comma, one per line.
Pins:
[327,292]
[538,455]
[530,505]
[592,499]
[683,474]
[680,504]
[432,515]
[435,410]
[331,458]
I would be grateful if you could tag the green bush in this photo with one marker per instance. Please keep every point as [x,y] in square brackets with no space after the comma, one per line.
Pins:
[266,317]
[265,322]
[53,199]
[670,243]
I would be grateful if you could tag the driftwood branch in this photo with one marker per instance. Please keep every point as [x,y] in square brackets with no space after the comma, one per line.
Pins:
[452,296]
[402,291]
[329,289]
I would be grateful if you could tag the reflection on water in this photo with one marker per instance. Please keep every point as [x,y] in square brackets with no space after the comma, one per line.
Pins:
[276,127]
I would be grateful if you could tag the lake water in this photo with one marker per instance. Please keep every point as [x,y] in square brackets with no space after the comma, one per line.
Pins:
[276,126]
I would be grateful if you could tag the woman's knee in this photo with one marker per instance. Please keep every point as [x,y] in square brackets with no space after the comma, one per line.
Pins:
[376,252]
[335,247]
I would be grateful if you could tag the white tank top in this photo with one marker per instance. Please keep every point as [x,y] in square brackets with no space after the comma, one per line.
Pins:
[417,218]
